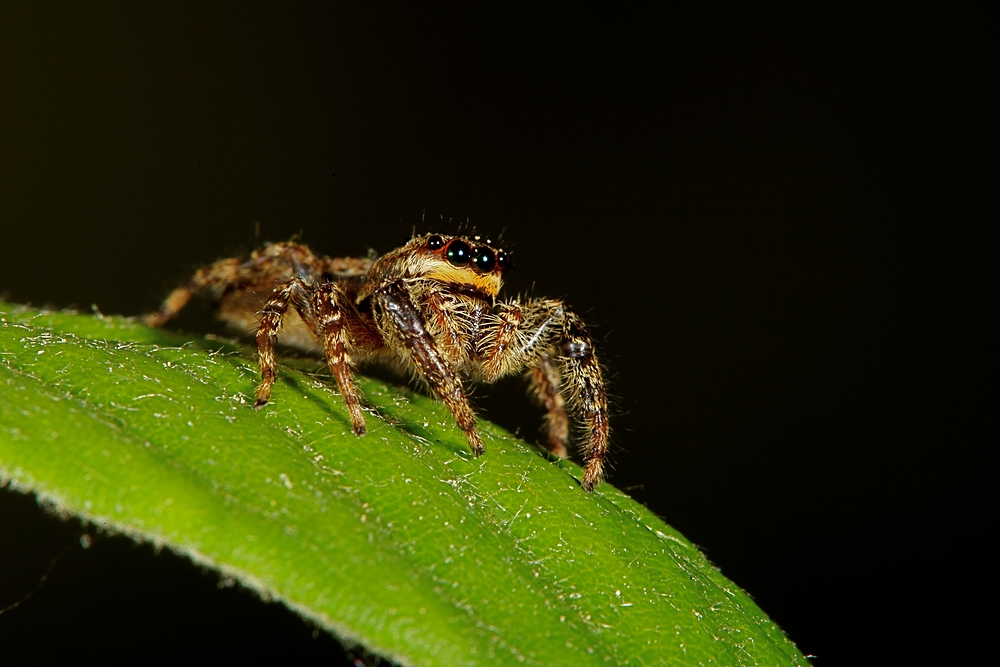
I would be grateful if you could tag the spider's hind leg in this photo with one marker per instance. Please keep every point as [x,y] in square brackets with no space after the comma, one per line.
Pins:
[215,276]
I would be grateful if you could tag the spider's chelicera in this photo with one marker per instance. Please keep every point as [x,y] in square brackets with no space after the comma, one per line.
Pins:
[428,307]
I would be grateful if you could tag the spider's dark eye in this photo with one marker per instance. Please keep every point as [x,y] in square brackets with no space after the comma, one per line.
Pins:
[485,260]
[435,242]
[502,259]
[459,253]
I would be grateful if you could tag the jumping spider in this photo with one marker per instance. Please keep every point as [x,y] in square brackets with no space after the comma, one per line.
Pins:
[428,307]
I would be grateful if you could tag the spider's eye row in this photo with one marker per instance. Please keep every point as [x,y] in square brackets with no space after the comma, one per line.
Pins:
[502,259]
[435,242]
[458,253]
[485,260]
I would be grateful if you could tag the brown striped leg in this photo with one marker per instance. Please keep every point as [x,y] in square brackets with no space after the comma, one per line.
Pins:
[543,386]
[332,312]
[221,273]
[401,319]
[292,292]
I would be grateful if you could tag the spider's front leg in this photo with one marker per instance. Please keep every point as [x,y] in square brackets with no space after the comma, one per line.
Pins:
[520,338]
[327,312]
[585,384]
[400,320]
[552,342]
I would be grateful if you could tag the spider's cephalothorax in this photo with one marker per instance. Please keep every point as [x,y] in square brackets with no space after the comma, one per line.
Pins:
[430,307]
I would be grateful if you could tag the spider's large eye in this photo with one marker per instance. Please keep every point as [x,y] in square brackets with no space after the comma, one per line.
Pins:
[484,260]
[459,253]
[502,260]
[435,242]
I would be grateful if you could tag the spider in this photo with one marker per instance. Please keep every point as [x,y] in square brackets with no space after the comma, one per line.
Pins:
[428,307]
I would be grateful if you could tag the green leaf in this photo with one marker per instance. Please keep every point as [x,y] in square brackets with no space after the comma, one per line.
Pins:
[400,541]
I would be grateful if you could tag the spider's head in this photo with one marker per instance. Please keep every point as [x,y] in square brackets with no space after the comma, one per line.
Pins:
[461,260]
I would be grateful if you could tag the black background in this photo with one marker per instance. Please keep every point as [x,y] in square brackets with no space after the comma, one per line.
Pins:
[759,215]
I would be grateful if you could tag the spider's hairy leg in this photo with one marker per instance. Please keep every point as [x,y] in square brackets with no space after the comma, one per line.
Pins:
[543,386]
[585,384]
[293,292]
[401,320]
[552,342]
[333,310]
[512,343]
[214,276]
